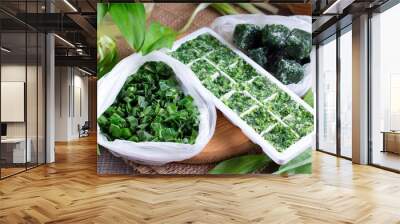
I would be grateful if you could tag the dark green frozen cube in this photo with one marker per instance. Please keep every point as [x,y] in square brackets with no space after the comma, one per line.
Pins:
[298,44]
[259,55]
[288,71]
[246,36]
[274,35]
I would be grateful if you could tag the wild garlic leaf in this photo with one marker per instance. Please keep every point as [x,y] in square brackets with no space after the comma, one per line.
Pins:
[242,164]
[131,21]
[302,164]
[157,37]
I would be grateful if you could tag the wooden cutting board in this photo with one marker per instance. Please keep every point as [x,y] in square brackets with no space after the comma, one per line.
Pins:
[228,141]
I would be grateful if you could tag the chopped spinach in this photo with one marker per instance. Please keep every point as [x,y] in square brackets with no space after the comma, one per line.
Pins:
[261,88]
[151,107]
[239,102]
[240,71]
[219,86]
[298,44]
[300,121]
[186,53]
[203,69]
[259,55]
[282,105]
[259,119]
[281,137]
[288,71]
[274,35]
[246,36]
[223,57]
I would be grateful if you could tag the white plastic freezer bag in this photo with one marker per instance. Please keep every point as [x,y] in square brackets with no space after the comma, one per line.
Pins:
[154,153]
[225,25]
[299,146]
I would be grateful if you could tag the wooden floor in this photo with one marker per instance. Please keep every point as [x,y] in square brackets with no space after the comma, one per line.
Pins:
[69,191]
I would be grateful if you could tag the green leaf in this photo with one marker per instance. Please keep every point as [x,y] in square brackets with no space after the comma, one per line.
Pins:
[131,21]
[102,9]
[309,97]
[302,164]
[242,164]
[157,37]
[107,55]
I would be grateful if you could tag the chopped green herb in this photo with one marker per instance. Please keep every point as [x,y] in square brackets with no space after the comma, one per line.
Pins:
[281,137]
[259,119]
[186,53]
[151,107]
[239,102]
[275,35]
[261,88]
[300,121]
[219,86]
[246,36]
[241,71]
[203,69]
[298,44]
[282,105]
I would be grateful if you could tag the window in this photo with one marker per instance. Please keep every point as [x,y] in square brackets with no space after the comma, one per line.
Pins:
[346,73]
[385,89]
[327,96]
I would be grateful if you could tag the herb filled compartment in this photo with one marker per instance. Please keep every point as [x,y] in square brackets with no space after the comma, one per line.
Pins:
[267,112]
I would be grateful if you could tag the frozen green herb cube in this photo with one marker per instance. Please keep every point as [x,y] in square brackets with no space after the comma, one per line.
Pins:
[203,69]
[282,105]
[281,137]
[274,35]
[205,43]
[239,102]
[241,71]
[301,121]
[259,119]
[186,53]
[298,44]
[261,88]
[288,71]
[223,57]
[246,36]
[259,55]
[219,86]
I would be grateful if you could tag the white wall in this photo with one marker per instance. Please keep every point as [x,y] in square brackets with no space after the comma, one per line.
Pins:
[71,93]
